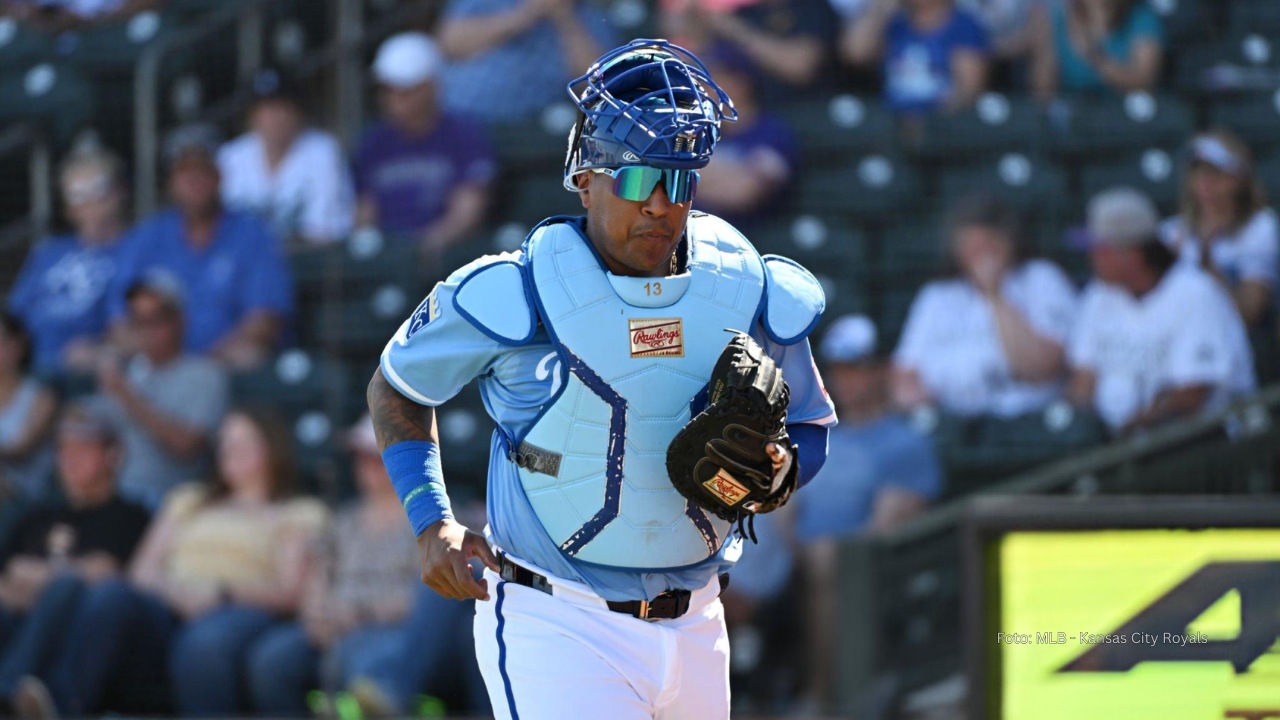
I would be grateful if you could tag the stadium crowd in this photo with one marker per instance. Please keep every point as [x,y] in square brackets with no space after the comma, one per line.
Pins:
[160,550]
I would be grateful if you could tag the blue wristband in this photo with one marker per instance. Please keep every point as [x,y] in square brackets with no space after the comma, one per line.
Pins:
[414,467]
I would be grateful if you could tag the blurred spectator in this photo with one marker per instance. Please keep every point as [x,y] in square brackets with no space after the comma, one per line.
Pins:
[420,172]
[934,55]
[1224,225]
[61,293]
[756,156]
[60,15]
[511,58]
[1009,23]
[56,549]
[1156,340]
[988,339]
[294,176]
[359,595]
[27,411]
[883,473]
[1090,45]
[788,41]
[167,402]
[235,280]
[223,563]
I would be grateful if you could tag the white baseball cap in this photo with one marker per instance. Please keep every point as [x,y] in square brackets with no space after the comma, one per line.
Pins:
[850,339]
[407,59]
[1121,217]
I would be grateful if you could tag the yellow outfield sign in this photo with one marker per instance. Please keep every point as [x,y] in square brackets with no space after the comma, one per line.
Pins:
[1139,624]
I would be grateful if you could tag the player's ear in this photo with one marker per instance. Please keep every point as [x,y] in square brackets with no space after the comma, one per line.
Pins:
[583,181]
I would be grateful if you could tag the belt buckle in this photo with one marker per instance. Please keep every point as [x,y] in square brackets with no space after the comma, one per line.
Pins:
[643,612]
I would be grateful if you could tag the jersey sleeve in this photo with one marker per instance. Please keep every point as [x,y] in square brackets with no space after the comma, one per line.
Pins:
[330,210]
[437,351]
[1054,306]
[809,400]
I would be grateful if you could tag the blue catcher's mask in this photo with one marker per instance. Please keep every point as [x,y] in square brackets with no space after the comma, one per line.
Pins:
[647,103]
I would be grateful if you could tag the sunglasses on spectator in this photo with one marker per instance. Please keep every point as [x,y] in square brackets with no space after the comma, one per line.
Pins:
[637,182]
[87,189]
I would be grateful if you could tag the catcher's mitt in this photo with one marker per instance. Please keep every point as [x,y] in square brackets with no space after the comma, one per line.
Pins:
[719,460]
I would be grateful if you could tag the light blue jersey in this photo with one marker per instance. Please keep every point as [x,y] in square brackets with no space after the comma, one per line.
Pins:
[442,347]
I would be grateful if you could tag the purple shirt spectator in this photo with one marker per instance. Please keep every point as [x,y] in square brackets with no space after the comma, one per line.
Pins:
[61,295]
[241,271]
[917,67]
[768,147]
[411,179]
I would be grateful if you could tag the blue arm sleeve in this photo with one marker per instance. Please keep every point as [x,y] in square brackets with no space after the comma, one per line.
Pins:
[812,441]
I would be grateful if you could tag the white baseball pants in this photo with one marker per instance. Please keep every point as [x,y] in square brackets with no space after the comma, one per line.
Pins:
[552,657]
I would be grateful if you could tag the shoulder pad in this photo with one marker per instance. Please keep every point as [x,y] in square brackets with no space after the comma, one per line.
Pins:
[493,295]
[793,302]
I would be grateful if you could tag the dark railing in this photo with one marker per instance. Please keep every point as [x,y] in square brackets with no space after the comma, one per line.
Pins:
[900,621]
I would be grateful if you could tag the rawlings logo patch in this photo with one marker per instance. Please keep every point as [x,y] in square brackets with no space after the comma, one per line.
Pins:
[656,337]
[725,487]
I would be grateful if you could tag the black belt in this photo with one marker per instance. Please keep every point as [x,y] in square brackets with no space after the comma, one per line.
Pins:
[667,606]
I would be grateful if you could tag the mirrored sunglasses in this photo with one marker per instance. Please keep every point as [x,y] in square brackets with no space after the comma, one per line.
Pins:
[636,182]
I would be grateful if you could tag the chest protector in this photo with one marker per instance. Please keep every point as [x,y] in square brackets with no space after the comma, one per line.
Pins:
[636,354]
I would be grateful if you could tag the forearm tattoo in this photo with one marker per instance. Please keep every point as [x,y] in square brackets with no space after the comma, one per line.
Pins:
[396,418]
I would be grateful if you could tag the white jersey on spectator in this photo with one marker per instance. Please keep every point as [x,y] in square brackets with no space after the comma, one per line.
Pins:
[951,340]
[1252,253]
[1184,332]
[310,194]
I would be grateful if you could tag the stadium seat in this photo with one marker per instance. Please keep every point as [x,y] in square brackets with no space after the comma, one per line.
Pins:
[868,187]
[1030,184]
[112,50]
[1247,61]
[835,129]
[1254,16]
[912,249]
[1255,116]
[1185,20]
[21,45]
[54,96]
[1154,171]
[831,247]
[996,124]
[537,146]
[533,197]
[1269,171]
[1098,126]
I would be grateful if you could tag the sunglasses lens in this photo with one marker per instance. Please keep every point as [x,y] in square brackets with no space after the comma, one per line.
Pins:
[636,183]
[681,185]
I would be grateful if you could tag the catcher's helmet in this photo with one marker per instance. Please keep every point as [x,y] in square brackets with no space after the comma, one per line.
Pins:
[646,103]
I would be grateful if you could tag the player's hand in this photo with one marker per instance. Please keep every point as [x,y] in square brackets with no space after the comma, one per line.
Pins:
[446,547]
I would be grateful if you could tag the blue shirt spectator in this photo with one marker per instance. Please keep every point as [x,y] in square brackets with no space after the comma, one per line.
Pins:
[1092,45]
[239,272]
[863,461]
[61,293]
[511,58]
[918,71]
[878,473]
[933,55]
